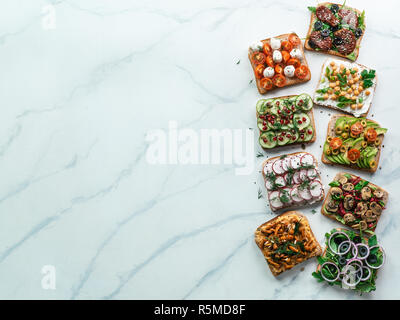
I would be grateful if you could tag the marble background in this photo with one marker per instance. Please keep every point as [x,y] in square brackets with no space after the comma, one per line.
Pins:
[76,191]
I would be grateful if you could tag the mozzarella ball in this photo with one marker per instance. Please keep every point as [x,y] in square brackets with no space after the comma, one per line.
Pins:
[275,43]
[269,72]
[289,71]
[296,53]
[256,46]
[277,56]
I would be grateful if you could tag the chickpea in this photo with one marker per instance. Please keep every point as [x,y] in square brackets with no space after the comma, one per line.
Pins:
[353,87]
[326,96]
[347,72]
[353,106]
[367,92]
[356,93]
[360,105]
[333,97]
[337,88]
[341,67]
[360,88]
[332,85]
[332,63]
[342,93]
[347,96]
[337,83]
[330,91]
[349,90]
[355,69]
[351,82]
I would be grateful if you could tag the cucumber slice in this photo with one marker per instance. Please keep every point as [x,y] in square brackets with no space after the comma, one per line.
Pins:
[296,135]
[283,140]
[260,106]
[304,102]
[304,123]
[260,125]
[269,140]
[308,136]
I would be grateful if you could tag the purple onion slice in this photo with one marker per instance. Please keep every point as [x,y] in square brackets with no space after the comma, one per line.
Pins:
[383,257]
[337,268]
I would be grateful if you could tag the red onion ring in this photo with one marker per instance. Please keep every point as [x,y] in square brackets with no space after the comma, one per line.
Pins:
[369,273]
[333,264]
[362,245]
[340,245]
[383,257]
[346,277]
[332,235]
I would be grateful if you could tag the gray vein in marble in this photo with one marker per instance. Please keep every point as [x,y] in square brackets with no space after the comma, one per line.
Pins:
[15,132]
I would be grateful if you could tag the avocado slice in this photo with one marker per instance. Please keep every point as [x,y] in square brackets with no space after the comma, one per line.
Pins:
[381,131]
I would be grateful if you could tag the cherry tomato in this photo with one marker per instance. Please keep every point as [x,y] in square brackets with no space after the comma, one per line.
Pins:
[279,68]
[270,62]
[258,57]
[285,56]
[287,46]
[335,143]
[294,62]
[301,72]
[259,71]
[353,154]
[279,80]
[356,128]
[266,83]
[294,39]
[267,49]
[371,134]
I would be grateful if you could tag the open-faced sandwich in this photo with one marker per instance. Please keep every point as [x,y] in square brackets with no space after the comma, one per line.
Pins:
[278,62]
[336,29]
[350,261]
[353,142]
[285,120]
[286,241]
[292,180]
[346,86]
[355,202]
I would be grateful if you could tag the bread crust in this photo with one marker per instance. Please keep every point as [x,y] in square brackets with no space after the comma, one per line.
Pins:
[332,52]
[289,82]
[330,129]
[328,198]
[292,154]
[310,113]
[337,108]
[259,238]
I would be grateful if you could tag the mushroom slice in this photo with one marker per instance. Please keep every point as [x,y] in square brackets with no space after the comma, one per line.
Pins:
[348,186]
[378,193]
[366,193]
[337,192]
[363,225]
[376,208]
[349,218]
[342,180]
[332,206]
[367,215]
[349,202]
[361,208]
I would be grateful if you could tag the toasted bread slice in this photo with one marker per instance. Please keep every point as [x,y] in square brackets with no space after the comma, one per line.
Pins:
[289,81]
[313,19]
[331,132]
[299,204]
[304,235]
[366,105]
[333,215]
[310,113]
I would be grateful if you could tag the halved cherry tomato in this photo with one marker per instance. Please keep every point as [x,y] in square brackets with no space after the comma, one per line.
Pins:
[294,62]
[267,49]
[301,72]
[356,128]
[279,80]
[258,57]
[294,39]
[259,71]
[266,83]
[285,56]
[353,154]
[371,134]
[335,143]
[279,68]
[270,62]
[287,46]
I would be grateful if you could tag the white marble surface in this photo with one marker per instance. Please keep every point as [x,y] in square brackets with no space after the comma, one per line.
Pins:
[76,191]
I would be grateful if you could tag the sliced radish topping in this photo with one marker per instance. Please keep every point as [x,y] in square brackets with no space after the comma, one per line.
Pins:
[305,194]
[303,175]
[296,177]
[287,178]
[285,192]
[294,194]
[268,168]
[307,160]
[295,162]
[274,200]
[286,163]
[277,167]
[268,184]
[312,174]
[316,189]
[280,182]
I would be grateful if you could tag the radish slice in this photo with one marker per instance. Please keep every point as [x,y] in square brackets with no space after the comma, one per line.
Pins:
[274,200]
[312,174]
[280,182]
[296,177]
[269,185]
[288,179]
[268,168]
[303,175]
[277,167]
[295,162]
[294,194]
[307,160]
[305,194]
[316,189]
[286,163]
[285,192]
